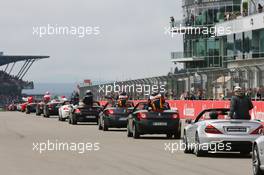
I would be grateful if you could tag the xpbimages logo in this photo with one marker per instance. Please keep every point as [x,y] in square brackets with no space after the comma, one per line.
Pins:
[201,30]
[211,147]
[51,146]
[138,88]
[78,31]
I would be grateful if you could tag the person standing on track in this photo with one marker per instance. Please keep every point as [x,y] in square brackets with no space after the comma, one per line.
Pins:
[88,98]
[47,97]
[122,100]
[157,102]
[240,105]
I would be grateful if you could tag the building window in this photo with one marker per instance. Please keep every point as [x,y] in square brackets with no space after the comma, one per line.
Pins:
[239,45]
[247,42]
[261,42]
[230,47]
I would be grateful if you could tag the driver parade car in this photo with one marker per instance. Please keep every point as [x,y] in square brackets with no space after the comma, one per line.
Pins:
[51,108]
[39,108]
[142,120]
[65,110]
[113,116]
[12,107]
[31,107]
[213,131]
[258,156]
[84,113]
[23,107]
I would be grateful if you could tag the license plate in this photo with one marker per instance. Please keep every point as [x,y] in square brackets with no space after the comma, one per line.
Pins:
[159,124]
[90,117]
[236,129]
[122,119]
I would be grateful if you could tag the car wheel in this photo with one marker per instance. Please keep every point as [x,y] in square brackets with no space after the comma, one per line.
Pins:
[245,153]
[178,134]
[169,136]
[105,127]
[46,112]
[37,112]
[27,110]
[70,120]
[59,118]
[99,124]
[198,151]
[256,162]
[129,134]
[136,134]
[187,149]
[74,120]
[47,115]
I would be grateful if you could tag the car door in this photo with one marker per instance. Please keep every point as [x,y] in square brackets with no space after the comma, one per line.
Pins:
[133,114]
[130,121]
[192,131]
[261,150]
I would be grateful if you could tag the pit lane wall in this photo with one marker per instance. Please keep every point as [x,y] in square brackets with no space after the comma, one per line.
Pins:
[191,108]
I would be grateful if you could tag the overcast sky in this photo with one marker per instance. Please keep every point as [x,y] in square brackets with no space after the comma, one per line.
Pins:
[131,44]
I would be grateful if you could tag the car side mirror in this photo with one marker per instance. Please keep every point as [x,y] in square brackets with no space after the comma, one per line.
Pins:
[188,121]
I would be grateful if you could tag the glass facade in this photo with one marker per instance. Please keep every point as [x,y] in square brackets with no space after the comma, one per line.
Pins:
[206,48]
[248,42]
[215,51]
[244,45]
[230,47]
[201,16]
[209,49]
[261,41]
[238,45]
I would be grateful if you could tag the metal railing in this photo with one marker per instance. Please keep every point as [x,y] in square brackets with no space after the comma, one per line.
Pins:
[208,15]
[216,83]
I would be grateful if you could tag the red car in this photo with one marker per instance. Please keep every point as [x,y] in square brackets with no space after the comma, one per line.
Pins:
[12,107]
[23,106]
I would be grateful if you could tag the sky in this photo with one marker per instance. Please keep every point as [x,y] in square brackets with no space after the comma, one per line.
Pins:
[131,44]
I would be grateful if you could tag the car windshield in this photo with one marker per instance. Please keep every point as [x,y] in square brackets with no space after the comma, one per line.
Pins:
[214,115]
[128,105]
[67,103]
[96,104]
[142,106]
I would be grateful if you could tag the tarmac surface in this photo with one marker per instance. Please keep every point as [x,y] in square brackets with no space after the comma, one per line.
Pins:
[24,150]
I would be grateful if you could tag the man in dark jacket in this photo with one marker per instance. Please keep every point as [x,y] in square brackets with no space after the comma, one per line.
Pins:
[122,99]
[88,98]
[240,105]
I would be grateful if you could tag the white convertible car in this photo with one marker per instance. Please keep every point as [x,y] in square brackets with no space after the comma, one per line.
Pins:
[258,156]
[213,131]
[65,110]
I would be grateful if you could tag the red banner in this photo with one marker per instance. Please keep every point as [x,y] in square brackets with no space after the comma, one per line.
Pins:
[191,108]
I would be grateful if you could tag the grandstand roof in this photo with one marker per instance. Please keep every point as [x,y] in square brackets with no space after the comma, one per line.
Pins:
[6,59]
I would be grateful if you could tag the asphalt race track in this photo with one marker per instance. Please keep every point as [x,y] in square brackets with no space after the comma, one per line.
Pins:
[118,155]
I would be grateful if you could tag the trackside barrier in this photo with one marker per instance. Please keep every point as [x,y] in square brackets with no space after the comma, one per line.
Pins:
[191,108]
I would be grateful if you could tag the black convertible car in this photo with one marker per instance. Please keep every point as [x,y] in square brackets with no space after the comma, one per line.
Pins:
[143,120]
[83,113]
[113,116]
[51,108]
[31,107]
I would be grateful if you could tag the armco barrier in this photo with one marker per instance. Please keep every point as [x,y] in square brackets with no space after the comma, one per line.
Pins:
[191,108]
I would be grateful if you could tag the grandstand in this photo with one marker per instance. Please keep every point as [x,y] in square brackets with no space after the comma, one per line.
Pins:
[12,84]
